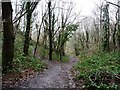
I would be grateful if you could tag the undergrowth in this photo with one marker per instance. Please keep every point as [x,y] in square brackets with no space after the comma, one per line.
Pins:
[57,57]
[100,71]
[44,53]
[22,62]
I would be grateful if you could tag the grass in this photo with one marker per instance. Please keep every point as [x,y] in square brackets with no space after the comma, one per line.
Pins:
[97,69]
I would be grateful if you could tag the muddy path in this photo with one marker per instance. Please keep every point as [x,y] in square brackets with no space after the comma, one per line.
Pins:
[57,75]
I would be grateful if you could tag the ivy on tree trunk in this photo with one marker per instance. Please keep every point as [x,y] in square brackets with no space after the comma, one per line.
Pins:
[27,33]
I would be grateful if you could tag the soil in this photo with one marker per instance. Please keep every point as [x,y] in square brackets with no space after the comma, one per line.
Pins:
[57,75]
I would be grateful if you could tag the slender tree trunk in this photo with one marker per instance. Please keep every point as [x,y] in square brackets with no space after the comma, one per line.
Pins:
[119,36]
[100,27]
[45,35]
[119,25]
[27,33]
[61,37]
[37,42]
[63,49]
[114,36]
[76,50]
[50,31]
[8,35]
[53,27]
[76,45]
[106,29]
[45,39]
[38,36]
[87,39]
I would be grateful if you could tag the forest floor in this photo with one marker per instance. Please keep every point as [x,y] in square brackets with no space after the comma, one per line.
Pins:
[57,75]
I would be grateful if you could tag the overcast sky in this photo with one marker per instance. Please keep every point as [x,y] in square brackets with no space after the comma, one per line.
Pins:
[85,6]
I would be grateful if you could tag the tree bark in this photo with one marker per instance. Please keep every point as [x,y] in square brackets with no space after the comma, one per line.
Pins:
[27,33]
[50,31]
[87,39]
[118,26]
[114,36]
[30,7]
[8,35]
[106,29]
[38,36]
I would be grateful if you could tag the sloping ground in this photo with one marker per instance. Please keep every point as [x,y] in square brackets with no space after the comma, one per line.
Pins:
[56,76]
[99,72]
[23,67]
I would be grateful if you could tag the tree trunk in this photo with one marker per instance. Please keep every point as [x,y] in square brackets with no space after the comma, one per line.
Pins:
[87,39]
[38,37]
[76,50]
[119,25]
[45,35]
[50,31]
[119,36]
[8,35]
[114,36]
[27,33]
[106,29]
[63,49]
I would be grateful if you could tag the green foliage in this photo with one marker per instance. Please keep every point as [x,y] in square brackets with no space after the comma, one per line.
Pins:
[70,29]
[28,62]
[99,71]
[65,59]
[106,23]
[43,52]
[57,57]
[22,62]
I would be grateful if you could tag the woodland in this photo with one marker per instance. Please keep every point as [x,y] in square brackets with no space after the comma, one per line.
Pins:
[45,44]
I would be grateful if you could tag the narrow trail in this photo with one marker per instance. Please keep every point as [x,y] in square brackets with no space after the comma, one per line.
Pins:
[56,76]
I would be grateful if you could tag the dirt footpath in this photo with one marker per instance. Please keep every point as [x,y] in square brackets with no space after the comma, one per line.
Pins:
[56,76]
